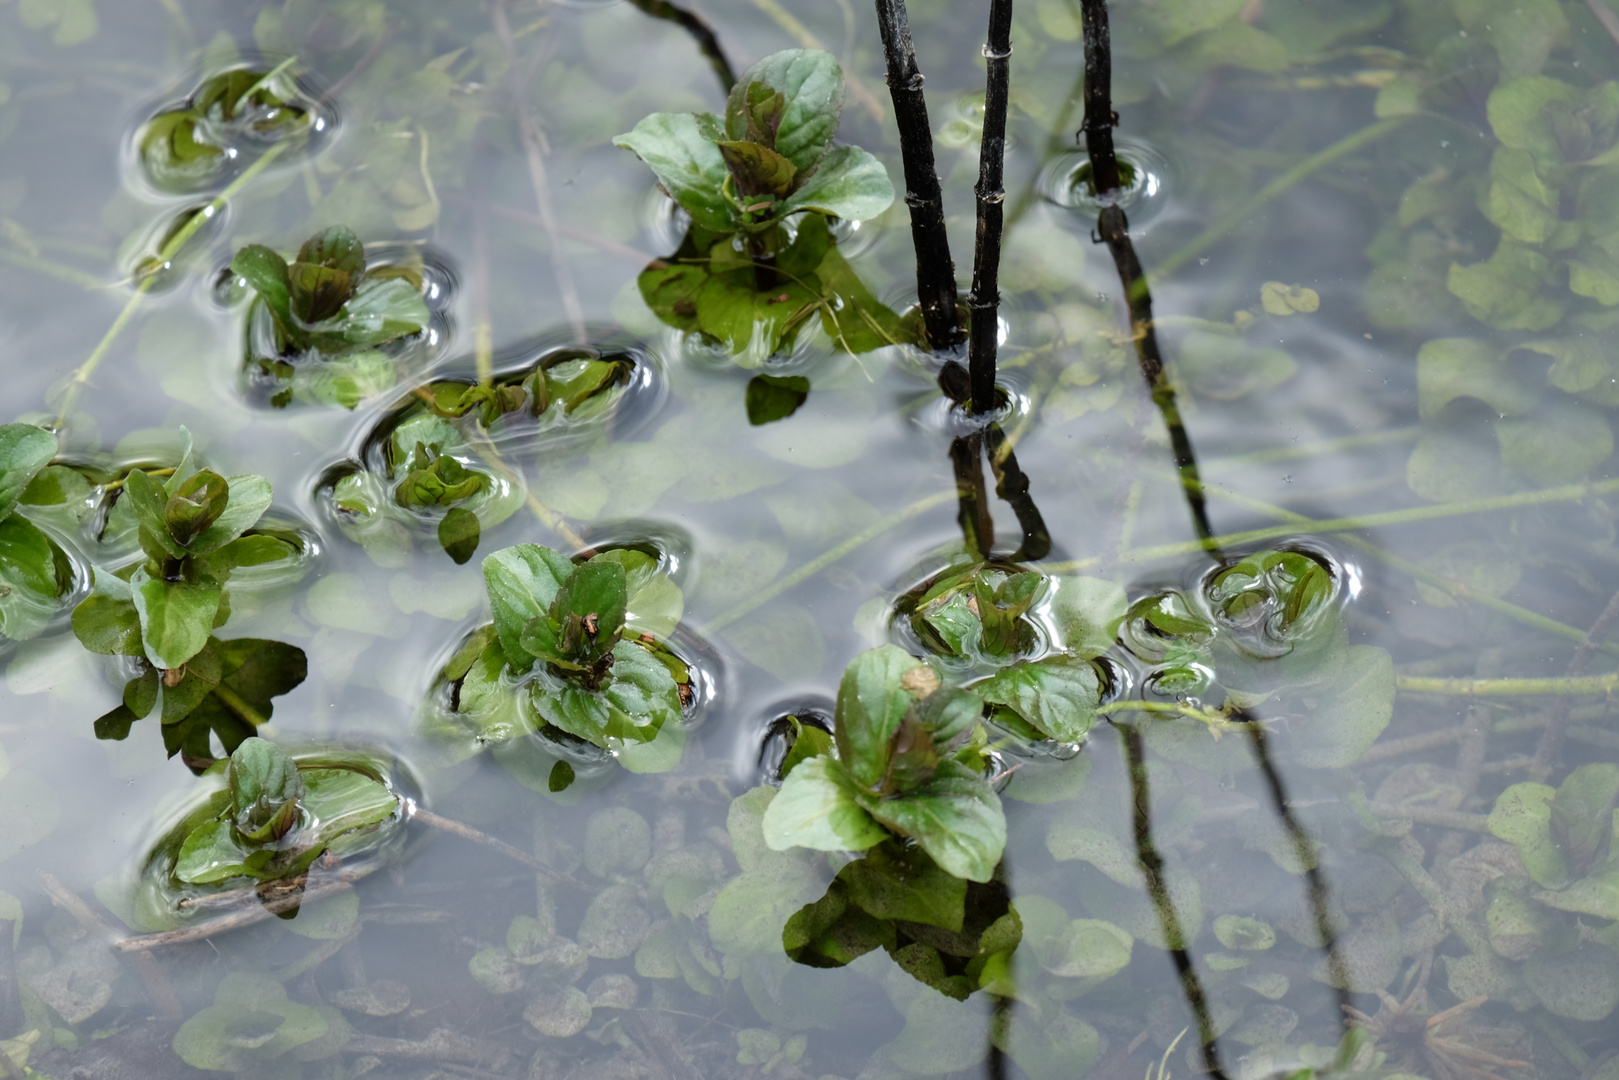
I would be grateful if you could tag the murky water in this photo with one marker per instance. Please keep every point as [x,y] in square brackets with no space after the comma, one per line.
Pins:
[1382,267]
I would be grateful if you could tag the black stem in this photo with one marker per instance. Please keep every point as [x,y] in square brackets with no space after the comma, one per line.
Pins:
[1012,485]
[985,300]
[1113,229]
[935,272]
[1315,883]
[700,31]
[1152,870]
[972,496]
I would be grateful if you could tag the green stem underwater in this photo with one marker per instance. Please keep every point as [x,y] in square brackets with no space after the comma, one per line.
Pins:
[170,250]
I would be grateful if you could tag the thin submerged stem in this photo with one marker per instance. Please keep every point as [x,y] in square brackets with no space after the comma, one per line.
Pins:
[1220,228]
[1550,746]
[985,299]
[1152,871]
[972,497]
[703,34]
[1589,684]
[1012,487]
[935,272]
[181,237]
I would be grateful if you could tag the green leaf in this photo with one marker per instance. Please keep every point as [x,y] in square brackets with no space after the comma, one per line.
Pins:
[522,581]
[30,582]
[809,742]
[655,603]
[670,289]
[211,854]
[318,292]
[689,166]
[590,608]
[1450,368]
[775,397]
[1505,291]
[1562,442]
[196,505]
[1088,612]
[267,273]
[106,622]
[1088,949]
[895,882]
[1519,201]
[1058,694]
[753,325]
[256,671]
[849,183]
[1348,707]
[458,534]
[1582,813]
[872,701]
[336,247]
[811,85]
[24,451]
[1522,817]
[817,808]
[632,708]
[381,310]
[956,817]
[235,1037]
[177,617]
[1523,32]
[344,801]
[265,788]
[148,502]
[757,170]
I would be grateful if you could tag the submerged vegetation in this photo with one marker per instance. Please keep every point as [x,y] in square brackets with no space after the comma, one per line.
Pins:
[1277,741]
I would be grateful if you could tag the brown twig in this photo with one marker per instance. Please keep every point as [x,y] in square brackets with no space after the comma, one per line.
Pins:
[707,43]
[467,832]
[363,63]
[253,910]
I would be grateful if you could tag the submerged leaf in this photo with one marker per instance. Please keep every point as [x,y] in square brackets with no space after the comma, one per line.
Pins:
[24,451]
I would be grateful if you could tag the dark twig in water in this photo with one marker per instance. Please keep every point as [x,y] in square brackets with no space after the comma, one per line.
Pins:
[1152,870]
[985,300]
[1551,740]
[363,64]
[1315,884]
[972,496]
[935,272]
[700,31]
[1114,231]
[1012,485]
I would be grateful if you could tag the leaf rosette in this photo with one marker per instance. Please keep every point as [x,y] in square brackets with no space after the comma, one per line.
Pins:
[191,147]
[420,473]
[328,326]
[771,156]
[582,659]
[267,815]
[195,529]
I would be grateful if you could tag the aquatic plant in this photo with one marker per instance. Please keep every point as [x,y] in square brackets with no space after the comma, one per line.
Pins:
[325,299]
[758,262]
[770,157]
[194,529]
[184,149]
[581,649]
[35,573]
[277,815]
[909,759]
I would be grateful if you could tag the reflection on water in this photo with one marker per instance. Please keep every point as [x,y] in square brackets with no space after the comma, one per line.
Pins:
[1358,814]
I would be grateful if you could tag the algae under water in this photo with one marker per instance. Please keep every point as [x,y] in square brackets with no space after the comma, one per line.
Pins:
[1330,790]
